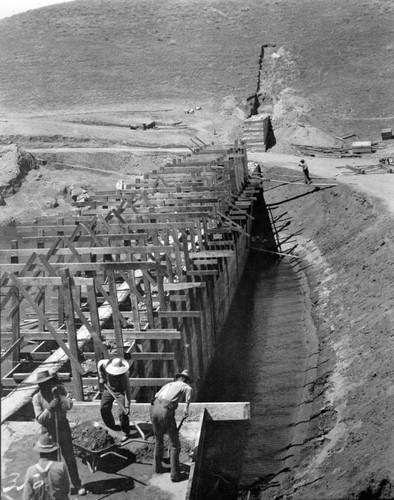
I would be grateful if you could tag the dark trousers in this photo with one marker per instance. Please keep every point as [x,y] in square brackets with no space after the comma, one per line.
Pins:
[307,178]
[163,421]
[64,440]
[107,401]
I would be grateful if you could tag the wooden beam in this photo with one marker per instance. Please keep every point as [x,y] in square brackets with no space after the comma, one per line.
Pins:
[179,314]
[134,382]
[214,254]
[68,303]
[49,326]
[11,349]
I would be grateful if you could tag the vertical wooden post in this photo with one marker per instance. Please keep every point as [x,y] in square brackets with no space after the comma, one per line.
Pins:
[94,318]
[71,331]
[115,316]
[16,315]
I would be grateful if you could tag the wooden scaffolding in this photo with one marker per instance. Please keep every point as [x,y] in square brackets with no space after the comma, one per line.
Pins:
[146,272]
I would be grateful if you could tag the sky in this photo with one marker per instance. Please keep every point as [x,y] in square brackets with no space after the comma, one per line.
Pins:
[11,7]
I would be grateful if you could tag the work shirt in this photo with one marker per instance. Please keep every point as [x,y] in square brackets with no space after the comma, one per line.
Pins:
[304,166]
[174,391]
[58,479]
[41,402]
[117,383]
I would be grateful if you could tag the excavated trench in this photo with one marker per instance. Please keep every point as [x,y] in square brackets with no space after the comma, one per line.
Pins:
[261,358]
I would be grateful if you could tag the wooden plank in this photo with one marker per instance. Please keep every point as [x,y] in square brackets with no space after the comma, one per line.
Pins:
[116,314]
[170,287]
[52,281]
[202,272]
[12,348]
[68,304]
[87,266]
[179,314]
[112,236]
[135,382]
[215,254]
[146,356]
[24,252]
[130,335]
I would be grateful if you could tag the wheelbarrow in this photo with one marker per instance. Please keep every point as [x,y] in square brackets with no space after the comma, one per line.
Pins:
[92,458]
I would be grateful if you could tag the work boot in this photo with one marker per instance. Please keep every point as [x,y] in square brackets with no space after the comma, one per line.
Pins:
[182,476]
[161,470]
[81,491]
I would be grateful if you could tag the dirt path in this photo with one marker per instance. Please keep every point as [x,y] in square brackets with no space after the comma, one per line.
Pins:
[379,185]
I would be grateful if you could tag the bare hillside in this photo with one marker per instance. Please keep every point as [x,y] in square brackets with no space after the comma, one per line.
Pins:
[111,53]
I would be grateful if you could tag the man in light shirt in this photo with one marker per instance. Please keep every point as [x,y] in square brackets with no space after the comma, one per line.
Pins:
[163,420]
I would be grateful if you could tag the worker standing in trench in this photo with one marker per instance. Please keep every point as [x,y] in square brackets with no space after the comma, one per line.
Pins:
[51,404]
[162,412]
[114,376]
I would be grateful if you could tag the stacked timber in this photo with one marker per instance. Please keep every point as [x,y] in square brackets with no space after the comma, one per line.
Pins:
[147,273]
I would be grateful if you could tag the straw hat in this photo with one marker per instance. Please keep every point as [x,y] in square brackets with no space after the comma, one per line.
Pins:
[185,373]
[117,366]
[43,376]
[46,444]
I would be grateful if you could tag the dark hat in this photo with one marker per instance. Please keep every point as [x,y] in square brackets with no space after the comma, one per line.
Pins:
[43,376]
[46,444]
[184,373]
[302,161]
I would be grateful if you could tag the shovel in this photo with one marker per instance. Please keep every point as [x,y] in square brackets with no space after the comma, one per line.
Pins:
[125,411]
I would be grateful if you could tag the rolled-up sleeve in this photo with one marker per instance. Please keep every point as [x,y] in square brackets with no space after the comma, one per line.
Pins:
[188,394]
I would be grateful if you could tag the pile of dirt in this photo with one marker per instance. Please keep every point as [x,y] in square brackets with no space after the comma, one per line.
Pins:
[15,164]
[92,438]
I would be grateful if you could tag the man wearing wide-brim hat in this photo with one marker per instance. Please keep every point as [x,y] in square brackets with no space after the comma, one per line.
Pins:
[47,476]
[114,375]
[51,404]
[162,414]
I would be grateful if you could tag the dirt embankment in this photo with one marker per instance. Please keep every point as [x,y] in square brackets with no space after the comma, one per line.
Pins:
[15,164]
[346,243]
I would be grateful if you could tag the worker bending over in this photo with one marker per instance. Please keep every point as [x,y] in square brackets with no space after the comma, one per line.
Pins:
[162,414]
[114,375]
[51,404]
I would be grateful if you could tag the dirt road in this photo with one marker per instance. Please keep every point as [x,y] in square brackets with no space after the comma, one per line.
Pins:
[379,185]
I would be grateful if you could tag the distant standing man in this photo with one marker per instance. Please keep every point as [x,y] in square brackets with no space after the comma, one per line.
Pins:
[48,478]
[305,171]
[114,375]
[50,405]
[162,414]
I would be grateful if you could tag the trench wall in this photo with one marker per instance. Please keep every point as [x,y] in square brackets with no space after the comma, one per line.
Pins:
[346,249]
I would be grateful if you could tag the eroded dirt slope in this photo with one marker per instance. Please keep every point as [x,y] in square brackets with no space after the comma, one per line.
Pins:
[346,242]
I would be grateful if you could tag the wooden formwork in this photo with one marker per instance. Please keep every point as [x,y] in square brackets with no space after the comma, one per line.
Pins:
[147,272]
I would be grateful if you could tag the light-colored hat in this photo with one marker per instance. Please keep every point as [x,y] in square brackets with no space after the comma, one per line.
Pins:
[185,373]
[46,444]
[43,376]
[117,366]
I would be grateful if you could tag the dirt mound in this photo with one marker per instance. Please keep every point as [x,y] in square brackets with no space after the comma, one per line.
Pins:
[91,437]
[15,164]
